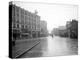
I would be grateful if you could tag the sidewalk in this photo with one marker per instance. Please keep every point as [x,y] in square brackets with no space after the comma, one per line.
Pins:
[23,46]
[29,39]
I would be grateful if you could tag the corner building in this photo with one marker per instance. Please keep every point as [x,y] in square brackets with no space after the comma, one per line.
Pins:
[24,23]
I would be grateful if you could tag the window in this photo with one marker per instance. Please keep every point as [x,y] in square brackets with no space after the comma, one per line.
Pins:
[25,13]
[17,25]
[14,25]
[22,26]
[25,17]
[26,26]
[22,18]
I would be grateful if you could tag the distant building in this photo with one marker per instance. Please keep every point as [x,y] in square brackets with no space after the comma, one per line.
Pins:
[62,27]
[72,28]
[24,22]
[60,31]
[44,30]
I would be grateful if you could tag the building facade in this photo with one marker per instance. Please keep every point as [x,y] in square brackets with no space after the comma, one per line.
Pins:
[44,31]
[24,23]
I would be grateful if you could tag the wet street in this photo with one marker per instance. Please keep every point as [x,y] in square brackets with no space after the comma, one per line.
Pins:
[53,46]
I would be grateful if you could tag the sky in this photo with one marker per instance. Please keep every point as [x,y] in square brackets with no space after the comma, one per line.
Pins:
[54,14]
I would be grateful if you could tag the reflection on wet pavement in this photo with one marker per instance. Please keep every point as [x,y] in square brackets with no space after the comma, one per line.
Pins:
[56,46]
[61,46]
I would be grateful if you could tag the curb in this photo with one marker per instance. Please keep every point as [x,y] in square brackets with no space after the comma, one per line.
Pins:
[27,50]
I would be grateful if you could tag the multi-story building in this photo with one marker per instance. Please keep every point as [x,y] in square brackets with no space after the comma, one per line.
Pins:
[43,25]
[24,23]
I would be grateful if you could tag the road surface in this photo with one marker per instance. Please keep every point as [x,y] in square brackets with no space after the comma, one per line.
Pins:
[53,46]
